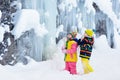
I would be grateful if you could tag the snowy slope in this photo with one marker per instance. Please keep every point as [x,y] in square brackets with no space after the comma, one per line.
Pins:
[105,62]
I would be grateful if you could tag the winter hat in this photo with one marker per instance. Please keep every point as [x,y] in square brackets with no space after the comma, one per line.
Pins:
[71,35]
[74,34]
[89,32]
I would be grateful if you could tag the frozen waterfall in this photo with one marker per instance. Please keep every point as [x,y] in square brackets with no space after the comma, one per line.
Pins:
[72,15]
[42,47]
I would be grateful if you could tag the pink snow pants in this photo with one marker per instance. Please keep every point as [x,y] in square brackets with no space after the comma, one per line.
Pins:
[71,67]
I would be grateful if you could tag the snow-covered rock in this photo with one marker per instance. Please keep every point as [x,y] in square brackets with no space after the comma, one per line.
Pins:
[26,20]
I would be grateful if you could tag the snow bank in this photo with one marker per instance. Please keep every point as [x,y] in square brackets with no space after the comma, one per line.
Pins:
[28,19]
[105,67]
[101,43]
[2,31]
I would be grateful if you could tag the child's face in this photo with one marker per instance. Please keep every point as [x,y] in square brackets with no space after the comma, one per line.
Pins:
[69,36]
[75,34]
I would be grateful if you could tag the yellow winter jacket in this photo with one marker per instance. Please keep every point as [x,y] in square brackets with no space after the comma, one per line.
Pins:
[71,54]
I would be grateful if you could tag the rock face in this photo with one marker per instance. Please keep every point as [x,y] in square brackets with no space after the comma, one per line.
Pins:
[7,10]
[8,47]
[104,25]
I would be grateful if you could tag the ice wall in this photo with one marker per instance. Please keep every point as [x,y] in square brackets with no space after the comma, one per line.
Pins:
[47,10]
[74,15]
[28,26]
[71,18]
[103,17]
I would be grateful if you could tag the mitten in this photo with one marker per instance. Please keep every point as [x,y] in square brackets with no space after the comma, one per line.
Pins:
[63,47]
[64,50]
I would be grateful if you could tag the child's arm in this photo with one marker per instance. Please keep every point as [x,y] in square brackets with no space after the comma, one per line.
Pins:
[79,41]
[89,42]
[73,49]
[63,49]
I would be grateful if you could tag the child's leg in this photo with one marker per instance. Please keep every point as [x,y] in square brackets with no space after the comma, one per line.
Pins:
[72,68]
[89,68]
[86,66]
[67,66]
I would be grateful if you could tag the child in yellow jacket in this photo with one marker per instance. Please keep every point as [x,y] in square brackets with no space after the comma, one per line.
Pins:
[70,51]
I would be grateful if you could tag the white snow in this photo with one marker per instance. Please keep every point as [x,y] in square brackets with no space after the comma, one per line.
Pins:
[16,4]
[28,19]
[103,40]
[105,63]
[6,27]
[2,31]
[9,42]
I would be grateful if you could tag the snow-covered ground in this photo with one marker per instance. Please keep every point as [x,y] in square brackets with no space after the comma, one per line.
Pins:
[104,60]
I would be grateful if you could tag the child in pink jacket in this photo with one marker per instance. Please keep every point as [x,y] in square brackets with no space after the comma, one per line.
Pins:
[70,51]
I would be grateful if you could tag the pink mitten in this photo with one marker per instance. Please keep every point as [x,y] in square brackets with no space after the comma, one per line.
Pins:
[63,47]
[64,50]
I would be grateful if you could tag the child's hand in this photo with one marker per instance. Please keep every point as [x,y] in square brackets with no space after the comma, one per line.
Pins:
[64,50]
[63,47]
